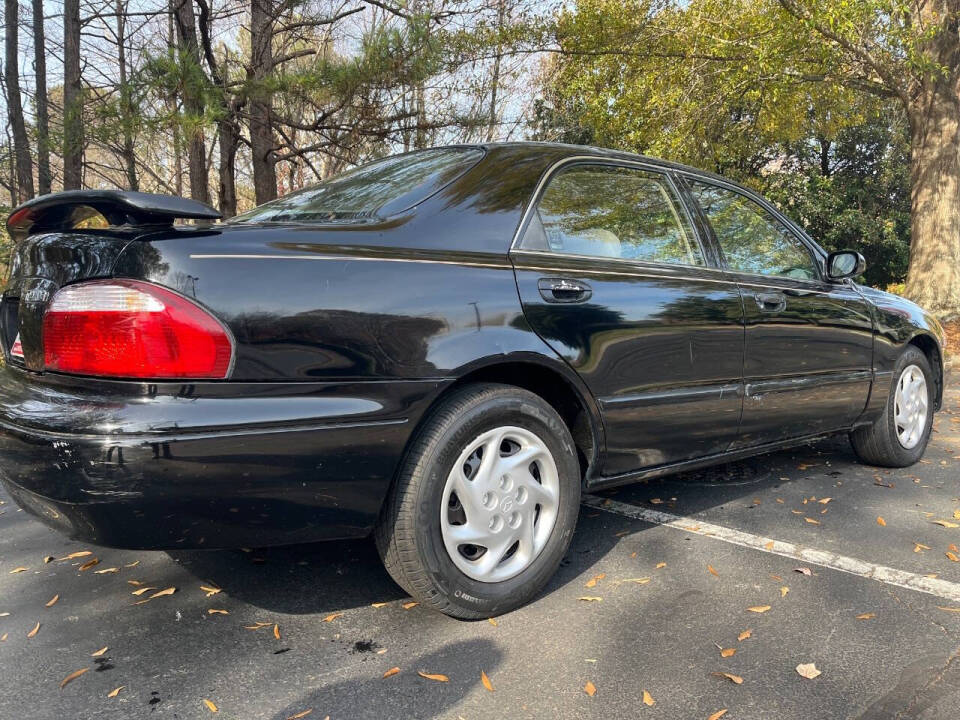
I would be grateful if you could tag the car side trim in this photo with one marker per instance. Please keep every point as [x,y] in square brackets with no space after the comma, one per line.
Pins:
[765,387]
[676,395]
[341,258]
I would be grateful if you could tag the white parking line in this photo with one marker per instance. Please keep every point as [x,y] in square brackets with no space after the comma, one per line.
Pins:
[881,573]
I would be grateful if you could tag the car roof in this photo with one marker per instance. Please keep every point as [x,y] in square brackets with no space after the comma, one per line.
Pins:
[559,151]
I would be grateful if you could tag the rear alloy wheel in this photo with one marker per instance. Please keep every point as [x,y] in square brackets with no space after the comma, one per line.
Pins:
[899,437]
[485,504]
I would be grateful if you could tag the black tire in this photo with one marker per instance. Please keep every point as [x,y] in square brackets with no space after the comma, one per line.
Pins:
[878,444]
[408,535]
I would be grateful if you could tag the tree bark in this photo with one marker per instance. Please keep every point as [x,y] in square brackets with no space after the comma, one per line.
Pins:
[193,105]
[933,279]
[21,144]
[229,142]
[126,102]
[72,98]
[262,144]
[43,113]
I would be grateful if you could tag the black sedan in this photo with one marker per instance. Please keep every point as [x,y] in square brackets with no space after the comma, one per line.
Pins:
[443,348]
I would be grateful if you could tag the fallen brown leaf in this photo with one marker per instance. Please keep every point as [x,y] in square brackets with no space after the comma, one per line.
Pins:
[784,590]
[75,555]
[759,608]
[53,601]
[732,678]
[803,571]
[276,631]
[718,714]
[36,629]
[592,582]
[590,689]
[728,652]
[217,611]
[945,523]
[866,616]
[391,671]
[590,598]
[407,606]
[72,676]
[106,570]
[486,681]
[808,670]
[332,616]
[211,706]
[437,677]
[48,559]
[812,521]
[116,691]
[949,609]
[492,622]
[3,638]
[142,590]
[638,581]
[18,570]
[769,545]
[952,557]
[744,635]
[89,564]
[379,604]
[661,565]
[824,501]
[648,699]
[210,591]
[301,714]
[881,522]
[161,593]
[920,547]
[100,652]
[712,571]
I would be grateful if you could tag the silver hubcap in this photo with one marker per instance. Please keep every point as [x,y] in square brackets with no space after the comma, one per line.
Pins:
[499,504]
[910,407]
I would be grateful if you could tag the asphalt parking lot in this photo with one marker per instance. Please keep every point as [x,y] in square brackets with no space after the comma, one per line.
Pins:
[679,598]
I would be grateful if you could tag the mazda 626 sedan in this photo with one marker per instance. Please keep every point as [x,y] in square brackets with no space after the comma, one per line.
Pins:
[443,349]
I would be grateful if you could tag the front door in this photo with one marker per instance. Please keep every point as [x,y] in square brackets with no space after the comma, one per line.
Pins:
[809,342]
[613,277]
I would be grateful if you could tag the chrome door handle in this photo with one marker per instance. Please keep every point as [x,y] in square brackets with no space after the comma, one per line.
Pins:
[564,290]
[770,302]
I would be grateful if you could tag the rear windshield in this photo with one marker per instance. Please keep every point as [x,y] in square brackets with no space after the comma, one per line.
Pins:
[378,189]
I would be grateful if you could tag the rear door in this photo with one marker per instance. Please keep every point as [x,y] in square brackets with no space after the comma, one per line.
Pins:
[809,342]
[612,275]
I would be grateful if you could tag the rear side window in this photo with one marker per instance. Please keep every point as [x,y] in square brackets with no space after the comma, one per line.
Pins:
[378,189]
[615,212]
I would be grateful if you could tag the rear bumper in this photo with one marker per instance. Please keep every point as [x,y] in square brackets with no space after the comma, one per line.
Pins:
[207,465]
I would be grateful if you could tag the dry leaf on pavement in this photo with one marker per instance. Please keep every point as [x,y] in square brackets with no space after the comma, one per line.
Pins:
[712,571]
[744,635]
[486,681]
[433,676]
[866,616]
[648,699]
[99,652]
[759,608]
[732,678]
[53,601]
[116,691]
[391,671]
[718,714]
[881,522]
[590,689]
[211,706]
[36,629]
[72,676]
[808,670]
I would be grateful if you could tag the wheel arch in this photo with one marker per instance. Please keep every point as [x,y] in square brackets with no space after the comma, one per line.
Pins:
[559,386]
[928,345]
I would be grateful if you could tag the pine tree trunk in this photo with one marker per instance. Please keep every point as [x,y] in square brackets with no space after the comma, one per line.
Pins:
[229,142]
[189,55]
[262,145]
[43,113]
[72,98]
[126,103]
[21,144]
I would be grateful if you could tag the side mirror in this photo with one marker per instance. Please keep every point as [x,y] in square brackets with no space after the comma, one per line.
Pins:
[845,264]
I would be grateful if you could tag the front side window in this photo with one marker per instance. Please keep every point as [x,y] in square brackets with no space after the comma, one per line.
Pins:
[752,240]
[616,212]
[377,189]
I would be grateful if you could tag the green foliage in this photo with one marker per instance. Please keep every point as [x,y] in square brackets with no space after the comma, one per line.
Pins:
[746,90]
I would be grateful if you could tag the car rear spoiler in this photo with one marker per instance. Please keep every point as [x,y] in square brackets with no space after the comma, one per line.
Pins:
[64,210]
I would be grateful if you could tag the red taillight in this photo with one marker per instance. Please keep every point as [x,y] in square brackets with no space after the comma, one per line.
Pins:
[132,329]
